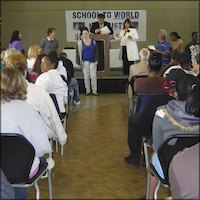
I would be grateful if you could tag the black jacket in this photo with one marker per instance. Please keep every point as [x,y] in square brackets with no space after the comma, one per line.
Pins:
[95,25]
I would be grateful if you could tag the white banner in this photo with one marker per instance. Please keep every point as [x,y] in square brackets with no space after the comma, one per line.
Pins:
[77,19]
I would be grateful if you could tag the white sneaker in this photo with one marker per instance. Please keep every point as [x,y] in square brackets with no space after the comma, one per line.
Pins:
[76,103]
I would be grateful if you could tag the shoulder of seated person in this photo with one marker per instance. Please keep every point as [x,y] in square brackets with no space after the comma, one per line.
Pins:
[159,112]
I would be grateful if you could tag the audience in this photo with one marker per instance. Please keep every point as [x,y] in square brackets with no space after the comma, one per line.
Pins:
[33,52]
[15,41]
[184,174]
[152,83]
[195,65]
[138,69]
[36,71]
[192,48]
[177,42]
[52,82]
[181,115]
[163,47]
[40,100]
[71,81]
[23,118]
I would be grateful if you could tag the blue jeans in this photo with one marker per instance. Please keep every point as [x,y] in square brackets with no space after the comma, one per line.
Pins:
[74,85]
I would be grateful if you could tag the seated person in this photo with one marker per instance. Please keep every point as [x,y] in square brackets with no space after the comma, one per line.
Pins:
[152,83]
[40,100]
[139,69]
[179,116]
[23,118]
[52,82]
[71,81]
[195,65]
[136,121]
[183,63]
[184,174]
[36,70]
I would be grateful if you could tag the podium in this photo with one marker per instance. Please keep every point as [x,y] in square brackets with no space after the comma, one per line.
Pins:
[103,44]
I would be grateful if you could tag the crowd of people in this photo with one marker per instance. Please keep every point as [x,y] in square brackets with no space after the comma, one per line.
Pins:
[169,71]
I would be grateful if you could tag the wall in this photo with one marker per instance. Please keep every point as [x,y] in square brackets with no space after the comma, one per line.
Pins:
[32,18]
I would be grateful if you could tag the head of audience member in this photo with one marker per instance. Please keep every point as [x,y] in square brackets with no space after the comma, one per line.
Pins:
[174,36]
[34,51]
[184,87]
[85,33]
[63,55]
[17,62]
[170,84]
[48,62]
[195,65]
[184,61]
[101,18]
[155,63]
[13,85]
[37,65]
[16,35]
[144,54]
[127,24]
[10,51]
[195,37]
[162,35]
[51,33]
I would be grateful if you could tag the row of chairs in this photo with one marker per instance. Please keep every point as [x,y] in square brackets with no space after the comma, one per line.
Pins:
[166,152]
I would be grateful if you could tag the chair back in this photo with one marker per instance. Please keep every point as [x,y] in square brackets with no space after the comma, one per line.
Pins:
[143,99]
[171,146]
[17,155]
[53,96]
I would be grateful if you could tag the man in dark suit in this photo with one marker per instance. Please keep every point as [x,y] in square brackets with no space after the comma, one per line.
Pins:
[96,26]
[96,29]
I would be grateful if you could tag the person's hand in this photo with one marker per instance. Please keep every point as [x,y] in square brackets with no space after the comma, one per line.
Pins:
[98,30]
[129,37]
[96,63]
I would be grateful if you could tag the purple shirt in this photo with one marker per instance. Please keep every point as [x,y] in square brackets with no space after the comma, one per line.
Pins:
[16,44]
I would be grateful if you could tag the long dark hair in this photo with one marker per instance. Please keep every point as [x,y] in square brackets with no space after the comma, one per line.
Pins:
[15,36]
[188,90]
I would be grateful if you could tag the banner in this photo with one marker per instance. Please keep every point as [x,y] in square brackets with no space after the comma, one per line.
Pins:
[77,19]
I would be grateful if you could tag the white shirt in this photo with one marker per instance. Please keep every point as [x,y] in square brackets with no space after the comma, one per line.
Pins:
[30,63]
[19,117]
[41,101]
[52,82]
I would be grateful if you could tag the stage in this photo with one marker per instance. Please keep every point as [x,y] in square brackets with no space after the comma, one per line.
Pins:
[115,83]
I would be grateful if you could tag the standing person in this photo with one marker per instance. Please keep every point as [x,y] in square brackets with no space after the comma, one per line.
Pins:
[50,43]
[87,58]
[192,48]
[163,47]
[96,29]
[129,49]
[15,41]
[71,81]
[96,26]
[177,42]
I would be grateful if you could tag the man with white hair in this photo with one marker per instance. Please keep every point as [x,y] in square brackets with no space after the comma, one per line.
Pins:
[139,69]
[163,47]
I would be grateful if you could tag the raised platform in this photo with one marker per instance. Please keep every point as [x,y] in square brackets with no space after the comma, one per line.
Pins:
[115,83]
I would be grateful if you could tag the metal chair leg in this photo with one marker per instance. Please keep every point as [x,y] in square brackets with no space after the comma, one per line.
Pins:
[37,190]
[50,184]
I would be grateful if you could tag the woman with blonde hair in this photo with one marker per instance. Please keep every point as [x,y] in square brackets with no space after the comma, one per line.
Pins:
[23,119]
[33,52]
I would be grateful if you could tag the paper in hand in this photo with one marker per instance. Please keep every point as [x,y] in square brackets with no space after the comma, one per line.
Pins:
[152,47]
[105,30]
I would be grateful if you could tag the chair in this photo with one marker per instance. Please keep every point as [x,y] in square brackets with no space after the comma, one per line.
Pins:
[169,148]
[17,155]
[132,100]
[63,118]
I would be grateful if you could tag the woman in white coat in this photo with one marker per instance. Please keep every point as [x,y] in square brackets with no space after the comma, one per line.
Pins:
[128,45]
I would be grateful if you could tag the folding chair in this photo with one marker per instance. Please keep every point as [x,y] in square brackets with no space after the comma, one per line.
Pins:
[63,118]
[169,148]
[17,155]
